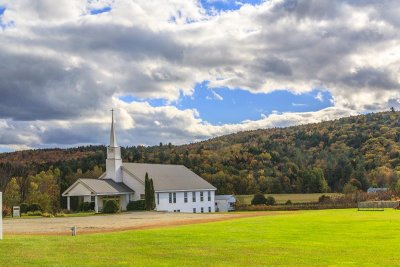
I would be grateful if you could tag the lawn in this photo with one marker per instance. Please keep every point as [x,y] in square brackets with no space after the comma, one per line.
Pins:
[282,198]
[304,238]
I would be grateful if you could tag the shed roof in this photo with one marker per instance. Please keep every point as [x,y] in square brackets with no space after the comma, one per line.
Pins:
[225,197]
[168,177]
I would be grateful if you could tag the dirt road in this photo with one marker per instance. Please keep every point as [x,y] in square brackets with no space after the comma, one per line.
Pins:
[117,222]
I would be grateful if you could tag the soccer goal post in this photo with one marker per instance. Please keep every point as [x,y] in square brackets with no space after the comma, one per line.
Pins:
[371,206]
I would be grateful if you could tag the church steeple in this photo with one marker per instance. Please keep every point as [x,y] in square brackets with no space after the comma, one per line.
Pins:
[114,161]
[113,140]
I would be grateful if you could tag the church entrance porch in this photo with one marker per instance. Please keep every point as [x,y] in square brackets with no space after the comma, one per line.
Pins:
[104,199]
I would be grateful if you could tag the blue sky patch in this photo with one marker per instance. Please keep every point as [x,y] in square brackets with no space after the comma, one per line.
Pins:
[222,105]
[222,5]
[2,9]
[6,149]
[219,106]
[100,10]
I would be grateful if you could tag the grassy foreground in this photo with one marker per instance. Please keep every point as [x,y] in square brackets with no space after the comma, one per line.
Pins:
[304,238]
[282,198]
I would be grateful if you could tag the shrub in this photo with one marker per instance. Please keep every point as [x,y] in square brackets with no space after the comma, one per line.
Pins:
[111,206]
[48,215]
[60,214]
[86,206]
[270,201]
[258,199]
[136,205]
[324,199]
[348,188]
[24,207]
[34,213]
[34,207]
[289,202]
[6,211]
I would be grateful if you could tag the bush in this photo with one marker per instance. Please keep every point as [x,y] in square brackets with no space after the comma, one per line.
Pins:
[6,211]
[34,213]
[86,206]
[136,205]
[258,199]
[289,202]
[324,199]
[24,208]
[270,201]
[111,206]
[34,207]
[60,214]
[48,215]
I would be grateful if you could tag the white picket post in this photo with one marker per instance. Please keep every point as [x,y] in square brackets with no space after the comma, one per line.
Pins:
[1,215]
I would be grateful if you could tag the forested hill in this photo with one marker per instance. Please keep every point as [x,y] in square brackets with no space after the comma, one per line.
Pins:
[345,154]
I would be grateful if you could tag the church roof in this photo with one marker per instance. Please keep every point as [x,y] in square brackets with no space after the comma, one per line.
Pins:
[168,177]
[102,186]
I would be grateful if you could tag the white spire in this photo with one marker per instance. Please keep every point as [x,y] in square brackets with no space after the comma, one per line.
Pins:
[113,139]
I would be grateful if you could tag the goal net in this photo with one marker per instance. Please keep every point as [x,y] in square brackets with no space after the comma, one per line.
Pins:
[371,206]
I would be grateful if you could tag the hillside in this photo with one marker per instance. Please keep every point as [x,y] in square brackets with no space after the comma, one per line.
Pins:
[345,154]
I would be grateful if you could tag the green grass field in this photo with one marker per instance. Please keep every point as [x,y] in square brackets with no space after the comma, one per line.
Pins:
[282,198]
[304,238]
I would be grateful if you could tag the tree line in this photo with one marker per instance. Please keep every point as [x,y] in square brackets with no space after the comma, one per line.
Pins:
[343,155]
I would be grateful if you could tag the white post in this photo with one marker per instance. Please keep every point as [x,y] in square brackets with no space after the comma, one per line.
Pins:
[96,204]
[68,203]
[1,215]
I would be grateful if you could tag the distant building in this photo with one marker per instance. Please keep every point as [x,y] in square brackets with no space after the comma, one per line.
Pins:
[177,188]
[376,190]
[224,203]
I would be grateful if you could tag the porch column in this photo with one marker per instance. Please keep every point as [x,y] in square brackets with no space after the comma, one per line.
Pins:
[96,204]
[68,203]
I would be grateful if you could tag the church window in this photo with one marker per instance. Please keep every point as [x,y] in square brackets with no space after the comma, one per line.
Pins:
[194,210]
[174,197]
[209,209]
[202,209]
[209,195]
[92,198]
[201,196]
[193,196]
[158,198]
[142,196]
[185,197]
[170,197]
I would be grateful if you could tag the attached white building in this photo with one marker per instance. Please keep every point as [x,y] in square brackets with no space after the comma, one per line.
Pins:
[224,203]
[176,187]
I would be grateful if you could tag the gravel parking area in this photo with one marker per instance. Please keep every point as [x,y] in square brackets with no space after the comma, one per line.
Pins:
[109,223]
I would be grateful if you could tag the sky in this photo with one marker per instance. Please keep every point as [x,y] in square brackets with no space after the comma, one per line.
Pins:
[182,71]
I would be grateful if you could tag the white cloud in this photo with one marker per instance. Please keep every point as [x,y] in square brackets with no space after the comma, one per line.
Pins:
[299,105]
[215,96]
[62,67]
[320,97]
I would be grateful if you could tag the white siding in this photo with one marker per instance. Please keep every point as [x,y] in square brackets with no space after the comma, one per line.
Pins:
[87,199]
[123,200]
[162,204]
[79,190]
[133,184]
[224,205]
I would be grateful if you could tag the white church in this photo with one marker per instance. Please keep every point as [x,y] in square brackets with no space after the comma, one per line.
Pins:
[177,189]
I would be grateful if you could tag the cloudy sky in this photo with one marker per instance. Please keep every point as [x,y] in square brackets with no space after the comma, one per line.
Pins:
[181,71]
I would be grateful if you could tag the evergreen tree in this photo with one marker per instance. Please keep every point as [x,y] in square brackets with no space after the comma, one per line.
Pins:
[147,199]
[152,195]
[150,202]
